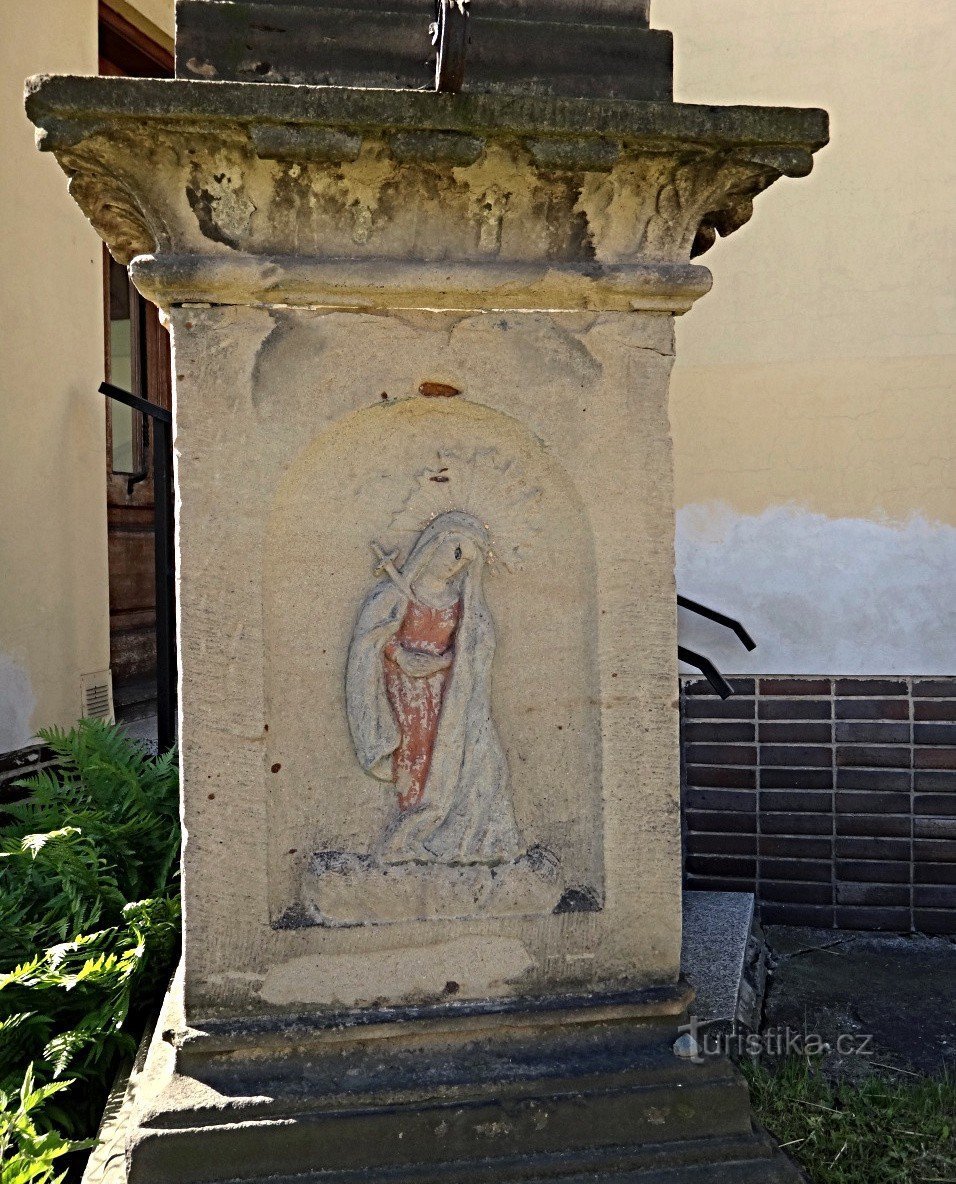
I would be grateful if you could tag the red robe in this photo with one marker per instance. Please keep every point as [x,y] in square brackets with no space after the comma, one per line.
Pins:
[416,702]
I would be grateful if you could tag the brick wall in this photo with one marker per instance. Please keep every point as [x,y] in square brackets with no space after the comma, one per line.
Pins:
[833,799]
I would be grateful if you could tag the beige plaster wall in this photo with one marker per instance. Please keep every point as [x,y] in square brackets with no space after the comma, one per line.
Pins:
[54,623]
[53,603]
[812,399]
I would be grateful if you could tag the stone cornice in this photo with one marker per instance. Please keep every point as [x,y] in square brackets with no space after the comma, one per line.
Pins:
[303,195]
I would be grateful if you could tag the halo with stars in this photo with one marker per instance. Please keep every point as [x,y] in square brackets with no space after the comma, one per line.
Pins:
[493,489]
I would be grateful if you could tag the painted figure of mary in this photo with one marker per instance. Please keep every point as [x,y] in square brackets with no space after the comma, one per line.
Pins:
[418,692]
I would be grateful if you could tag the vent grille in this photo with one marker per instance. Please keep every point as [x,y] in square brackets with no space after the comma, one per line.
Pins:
[97,695]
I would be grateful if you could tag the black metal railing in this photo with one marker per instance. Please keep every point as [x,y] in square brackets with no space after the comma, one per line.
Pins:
[703,664]
[167,677]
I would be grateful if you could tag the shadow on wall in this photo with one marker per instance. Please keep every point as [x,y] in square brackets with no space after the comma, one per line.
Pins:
[819,595]
[17,703]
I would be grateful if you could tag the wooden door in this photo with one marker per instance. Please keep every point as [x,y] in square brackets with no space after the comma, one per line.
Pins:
[138,360]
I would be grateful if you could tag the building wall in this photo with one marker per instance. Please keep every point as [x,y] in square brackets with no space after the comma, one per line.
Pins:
[832,799]
[54,624]
[815,429]
[812,400]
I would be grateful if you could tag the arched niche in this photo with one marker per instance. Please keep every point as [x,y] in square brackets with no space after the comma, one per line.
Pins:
[338,497]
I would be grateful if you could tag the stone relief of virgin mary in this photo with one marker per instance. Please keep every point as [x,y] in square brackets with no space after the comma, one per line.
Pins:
[419,704]
[419,701]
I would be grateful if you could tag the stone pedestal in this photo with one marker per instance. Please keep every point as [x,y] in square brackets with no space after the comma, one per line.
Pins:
[427,622]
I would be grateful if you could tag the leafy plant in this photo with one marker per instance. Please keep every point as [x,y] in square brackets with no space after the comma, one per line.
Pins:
[27,1154]
[858,1133]
[89,923]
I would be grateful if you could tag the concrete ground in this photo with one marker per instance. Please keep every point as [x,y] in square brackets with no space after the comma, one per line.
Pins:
[135,706]
[142,729]
[847,986]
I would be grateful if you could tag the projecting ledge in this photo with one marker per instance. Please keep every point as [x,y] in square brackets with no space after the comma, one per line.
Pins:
[388,283]
[510,201]
[85,98]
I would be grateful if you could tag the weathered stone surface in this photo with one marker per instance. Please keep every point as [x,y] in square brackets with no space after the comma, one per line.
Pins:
[562,1089]
[793,128]
[301,432]
[345,890]
[425,641]
[280,141]
[297,194]
[300,435]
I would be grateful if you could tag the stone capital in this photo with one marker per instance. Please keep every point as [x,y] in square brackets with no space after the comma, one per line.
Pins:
[233,193]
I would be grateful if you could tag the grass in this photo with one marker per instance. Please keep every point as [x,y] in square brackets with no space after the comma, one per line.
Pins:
[870,1132]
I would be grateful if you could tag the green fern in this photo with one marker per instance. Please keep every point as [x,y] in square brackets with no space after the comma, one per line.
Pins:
[89,921]
[27,1153]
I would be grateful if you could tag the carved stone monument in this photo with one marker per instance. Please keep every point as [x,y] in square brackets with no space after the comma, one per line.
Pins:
[427,623]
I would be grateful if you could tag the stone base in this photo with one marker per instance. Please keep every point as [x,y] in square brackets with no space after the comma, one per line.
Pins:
[568,1090]
[344,889]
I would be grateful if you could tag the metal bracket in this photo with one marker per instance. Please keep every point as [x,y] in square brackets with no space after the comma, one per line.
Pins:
[152,410]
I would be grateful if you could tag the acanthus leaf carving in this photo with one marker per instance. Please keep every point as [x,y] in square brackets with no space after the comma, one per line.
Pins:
[109,201]
[671,206]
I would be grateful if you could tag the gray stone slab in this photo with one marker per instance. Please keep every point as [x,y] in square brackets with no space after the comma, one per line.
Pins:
[107,1161]
[583,47]
[717,929]
[790,133]
[522,1098]
[635,12]
[522,48]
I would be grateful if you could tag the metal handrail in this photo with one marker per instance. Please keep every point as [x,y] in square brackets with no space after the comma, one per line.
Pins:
[707,669]
[153,410]
[167,706]
[712,614]
[698,661]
